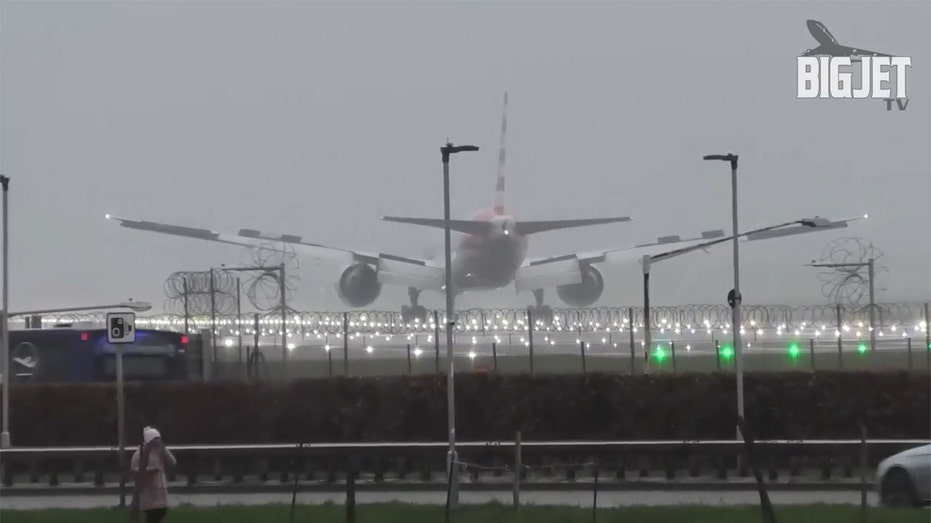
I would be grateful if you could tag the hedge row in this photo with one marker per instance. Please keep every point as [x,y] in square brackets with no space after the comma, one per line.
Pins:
[488,407]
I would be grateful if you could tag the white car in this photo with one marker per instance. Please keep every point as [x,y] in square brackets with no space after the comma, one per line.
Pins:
[904,479]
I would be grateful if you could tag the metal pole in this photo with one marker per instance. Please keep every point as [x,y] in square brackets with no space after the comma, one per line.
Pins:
[872,308]
[446,151]
[121,422]
[4,318]
[647,336]
[239,318]
[345,344]
[630,325]
[840,341]
[530,321]
[213,323]
[186,314]
[450,367]
[864,457]
[927,350]
[254,357]
[436,341]
[284,328]
[738,345]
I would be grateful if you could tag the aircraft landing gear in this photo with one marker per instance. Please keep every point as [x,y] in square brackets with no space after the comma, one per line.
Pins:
[414,312]
[542,313]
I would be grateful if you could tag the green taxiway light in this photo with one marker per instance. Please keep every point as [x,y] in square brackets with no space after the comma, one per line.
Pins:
[727,352]
[794,351]
[861,348]
[659,354]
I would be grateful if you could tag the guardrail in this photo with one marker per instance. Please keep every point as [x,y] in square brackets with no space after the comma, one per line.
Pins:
[483,465]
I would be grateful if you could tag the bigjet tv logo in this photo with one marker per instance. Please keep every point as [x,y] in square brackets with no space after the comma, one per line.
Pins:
[829,71]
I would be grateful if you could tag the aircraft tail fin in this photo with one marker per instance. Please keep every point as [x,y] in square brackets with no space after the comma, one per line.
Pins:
[499,185]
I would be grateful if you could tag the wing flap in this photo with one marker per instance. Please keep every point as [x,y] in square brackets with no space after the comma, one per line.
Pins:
[411,273]
[564,270]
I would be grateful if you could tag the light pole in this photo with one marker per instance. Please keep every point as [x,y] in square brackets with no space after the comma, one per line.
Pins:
[808,224]
[137,306]
[4,319]
[870,265]
[446,151]
[734,297]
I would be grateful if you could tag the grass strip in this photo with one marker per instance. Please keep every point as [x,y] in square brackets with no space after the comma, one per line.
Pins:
[488,513]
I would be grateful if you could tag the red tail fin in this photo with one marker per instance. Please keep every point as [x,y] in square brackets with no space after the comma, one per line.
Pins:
[499,187]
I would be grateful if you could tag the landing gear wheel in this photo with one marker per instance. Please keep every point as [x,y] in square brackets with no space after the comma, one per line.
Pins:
[898,490]
[543,314]
[412,313]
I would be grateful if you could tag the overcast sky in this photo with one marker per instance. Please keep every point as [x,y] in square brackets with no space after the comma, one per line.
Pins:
[316,119]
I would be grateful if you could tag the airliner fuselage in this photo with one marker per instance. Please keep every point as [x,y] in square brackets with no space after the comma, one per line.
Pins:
[490,261]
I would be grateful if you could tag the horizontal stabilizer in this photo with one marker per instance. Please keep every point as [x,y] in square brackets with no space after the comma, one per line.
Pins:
[524,228]
[463,226]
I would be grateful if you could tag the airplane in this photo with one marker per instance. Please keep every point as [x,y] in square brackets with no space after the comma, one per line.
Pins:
[491,255]
[829,45]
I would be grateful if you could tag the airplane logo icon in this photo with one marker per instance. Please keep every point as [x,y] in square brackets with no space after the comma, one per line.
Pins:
[25,359]
[29,362]
[829,45]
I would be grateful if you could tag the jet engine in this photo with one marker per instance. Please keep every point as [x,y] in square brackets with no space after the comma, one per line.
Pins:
[584,293]
[358,285]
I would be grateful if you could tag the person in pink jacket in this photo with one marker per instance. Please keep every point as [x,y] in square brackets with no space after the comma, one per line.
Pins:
[148,465]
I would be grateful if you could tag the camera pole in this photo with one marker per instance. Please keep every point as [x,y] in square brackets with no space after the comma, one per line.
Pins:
[121,422]
[4,321]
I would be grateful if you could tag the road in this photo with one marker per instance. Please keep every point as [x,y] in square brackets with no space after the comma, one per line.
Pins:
[583,499]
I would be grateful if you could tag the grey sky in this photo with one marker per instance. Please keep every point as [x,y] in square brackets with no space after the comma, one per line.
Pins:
[317,119]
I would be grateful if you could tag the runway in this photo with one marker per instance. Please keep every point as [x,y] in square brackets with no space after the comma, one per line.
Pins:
[579,499]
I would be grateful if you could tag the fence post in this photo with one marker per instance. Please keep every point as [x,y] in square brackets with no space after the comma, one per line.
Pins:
[768,515]
[840,341]
[297,475]
[351,492]
[717,352]
[863,462]
[582,348]
[409,358]
[530,336]
[345,344]
[436,339]
[494,354]
[518,467]
[811,350]
[630,325]
[672,349]
[595,497]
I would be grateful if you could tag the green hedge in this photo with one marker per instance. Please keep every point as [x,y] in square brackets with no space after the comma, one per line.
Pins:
[489,407]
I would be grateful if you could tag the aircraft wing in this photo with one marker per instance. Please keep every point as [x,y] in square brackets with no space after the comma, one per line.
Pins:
[392,269]
[521,227]
[555,271]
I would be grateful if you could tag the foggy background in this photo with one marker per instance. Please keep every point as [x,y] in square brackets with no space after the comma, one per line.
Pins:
[317,119]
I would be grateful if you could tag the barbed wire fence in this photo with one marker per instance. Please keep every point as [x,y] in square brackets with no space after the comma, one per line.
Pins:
[911,315]
[218,293]
[847,281]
